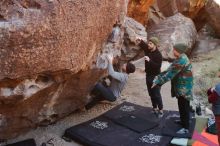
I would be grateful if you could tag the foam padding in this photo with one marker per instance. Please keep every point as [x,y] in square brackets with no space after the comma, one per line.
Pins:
[171,128]
[101,132]
[136,123]
[124,109]
[125,125]
[152,138]
[28,142]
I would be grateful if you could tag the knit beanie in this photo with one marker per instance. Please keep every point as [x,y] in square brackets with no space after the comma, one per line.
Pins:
[154,40]
[181,48]
[217,89]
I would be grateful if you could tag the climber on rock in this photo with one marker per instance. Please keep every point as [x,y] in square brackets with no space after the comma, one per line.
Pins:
[118,82]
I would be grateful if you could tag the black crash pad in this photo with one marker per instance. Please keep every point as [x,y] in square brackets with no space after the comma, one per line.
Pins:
[152,138]
[136,123]
[122,110]
[100,132]
[127,108]
[171,128]
[113,135]
[28,142]
[148,115]
[123,125]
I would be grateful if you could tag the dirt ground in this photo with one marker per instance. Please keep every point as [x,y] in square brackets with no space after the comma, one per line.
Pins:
[135,92]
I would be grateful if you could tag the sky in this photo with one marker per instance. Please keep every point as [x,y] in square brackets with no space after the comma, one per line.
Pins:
[218,1]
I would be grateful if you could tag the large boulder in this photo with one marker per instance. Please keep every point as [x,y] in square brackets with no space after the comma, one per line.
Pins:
[175,29]
[204,46]
[145,12]
[154,15]
[188,8]
[150,12]
[206,41]
[48,51]
[213,10]
[133,30]
[194,9]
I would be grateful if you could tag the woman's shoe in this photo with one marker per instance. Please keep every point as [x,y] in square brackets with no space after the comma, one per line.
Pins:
[183,131]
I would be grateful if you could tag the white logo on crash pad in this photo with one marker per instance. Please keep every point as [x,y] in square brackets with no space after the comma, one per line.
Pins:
[151,138]
[126,108]
[99,125]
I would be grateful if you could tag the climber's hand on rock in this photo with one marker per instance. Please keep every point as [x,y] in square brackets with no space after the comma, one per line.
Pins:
[138,40]
[110,58]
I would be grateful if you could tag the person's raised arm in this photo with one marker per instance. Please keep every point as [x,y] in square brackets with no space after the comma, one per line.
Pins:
[143,47]
[171,72]
[138,61]
[116,75]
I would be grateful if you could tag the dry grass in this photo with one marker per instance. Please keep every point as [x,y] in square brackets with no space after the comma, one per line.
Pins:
[206,68]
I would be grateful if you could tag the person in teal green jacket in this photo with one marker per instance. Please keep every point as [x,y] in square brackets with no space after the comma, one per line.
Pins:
[180,74]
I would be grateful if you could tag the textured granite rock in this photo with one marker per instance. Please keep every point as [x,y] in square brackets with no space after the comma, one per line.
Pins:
[150,12]
[213,10]
[133,30]
[48,53]
[138,9]
[193,9]
[174,29]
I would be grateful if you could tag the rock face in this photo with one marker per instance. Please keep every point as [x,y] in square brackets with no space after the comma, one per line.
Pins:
[193,9]
[47,52]
[151,12]
[205,42]
[213,10]
[154,15]
[175,29]
[133,30]
[138,9]
[188,8]
[204,46]
[155,10]
[47,36]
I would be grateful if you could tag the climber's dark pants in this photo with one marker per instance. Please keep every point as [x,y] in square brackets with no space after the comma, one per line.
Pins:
[101,93]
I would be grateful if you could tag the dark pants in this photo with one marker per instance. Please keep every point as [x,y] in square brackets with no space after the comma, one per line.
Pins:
[101,93]
[217,120]
[184,110]
[154,93]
